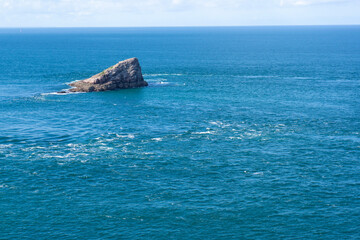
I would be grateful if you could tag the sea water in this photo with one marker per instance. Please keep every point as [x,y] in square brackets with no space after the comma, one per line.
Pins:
[243,133]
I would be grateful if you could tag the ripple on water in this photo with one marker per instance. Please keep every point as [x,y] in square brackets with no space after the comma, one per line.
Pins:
[257,144]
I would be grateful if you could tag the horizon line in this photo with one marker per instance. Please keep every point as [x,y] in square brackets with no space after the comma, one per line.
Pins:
[186,26]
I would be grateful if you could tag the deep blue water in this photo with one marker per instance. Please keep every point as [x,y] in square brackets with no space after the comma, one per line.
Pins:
[243,133]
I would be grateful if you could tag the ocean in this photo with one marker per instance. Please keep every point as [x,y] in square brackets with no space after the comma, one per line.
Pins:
[242,133]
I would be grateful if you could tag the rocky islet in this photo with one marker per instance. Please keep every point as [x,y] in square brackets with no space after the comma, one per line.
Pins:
[123,75]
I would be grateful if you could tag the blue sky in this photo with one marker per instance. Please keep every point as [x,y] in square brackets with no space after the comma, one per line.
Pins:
[129,13]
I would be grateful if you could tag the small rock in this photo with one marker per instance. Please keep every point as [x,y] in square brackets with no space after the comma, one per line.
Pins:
[125,74]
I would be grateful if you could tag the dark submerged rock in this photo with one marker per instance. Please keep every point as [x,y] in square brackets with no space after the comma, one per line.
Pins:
[125,74]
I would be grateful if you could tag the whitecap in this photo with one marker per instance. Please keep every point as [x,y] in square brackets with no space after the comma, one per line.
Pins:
[217,123]
[6,145]
[58,156]
[252,134]
[106,148]
[207,132]
[131,136]
[160,84]
[72,145]
[157,139]
[58,93]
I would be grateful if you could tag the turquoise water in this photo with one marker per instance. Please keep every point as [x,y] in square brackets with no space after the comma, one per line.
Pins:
[243,133]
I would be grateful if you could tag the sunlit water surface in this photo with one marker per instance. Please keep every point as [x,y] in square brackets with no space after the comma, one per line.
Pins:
[243,133]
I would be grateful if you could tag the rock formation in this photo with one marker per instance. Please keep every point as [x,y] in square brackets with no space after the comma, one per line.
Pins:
[125,74]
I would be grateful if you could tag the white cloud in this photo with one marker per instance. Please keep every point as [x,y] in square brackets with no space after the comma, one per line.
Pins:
[172,12]
[96,6]
[309,2]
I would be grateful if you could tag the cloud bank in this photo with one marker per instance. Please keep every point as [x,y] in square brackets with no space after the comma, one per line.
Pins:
[67,13]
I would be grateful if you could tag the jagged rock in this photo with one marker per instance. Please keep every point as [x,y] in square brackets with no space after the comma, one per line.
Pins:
[125,74]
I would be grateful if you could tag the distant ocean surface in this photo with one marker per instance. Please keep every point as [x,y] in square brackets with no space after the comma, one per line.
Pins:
[243,133]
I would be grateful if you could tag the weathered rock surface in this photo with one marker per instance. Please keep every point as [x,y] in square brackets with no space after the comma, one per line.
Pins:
[125,74]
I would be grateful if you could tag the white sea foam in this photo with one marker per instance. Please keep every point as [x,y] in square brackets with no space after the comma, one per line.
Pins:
[131,136]
[219,124]
[249,134]
[73,145]
[58,156]
[238,138]
[57,93]
[206,132]
[161,84]
[73,81]
[157,139]
[148,153]
[6,145]
[106,148]
[253,134]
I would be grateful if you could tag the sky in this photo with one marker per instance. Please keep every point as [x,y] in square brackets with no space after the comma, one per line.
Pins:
[142,13]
